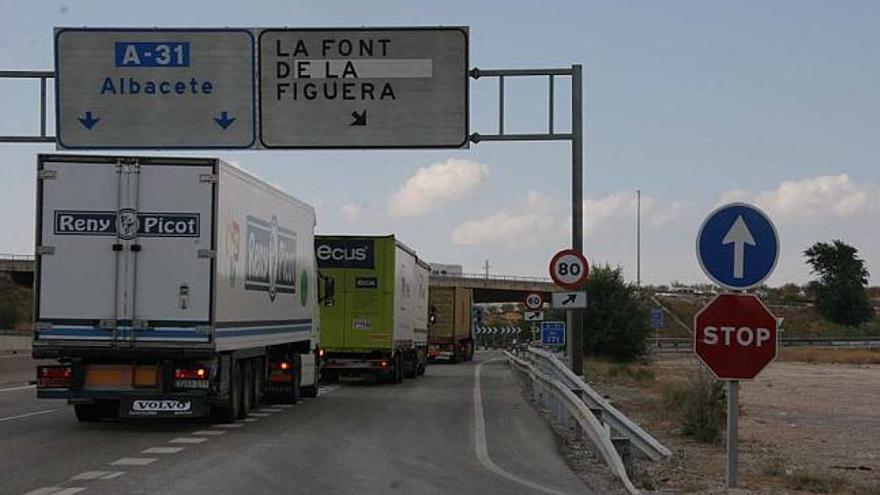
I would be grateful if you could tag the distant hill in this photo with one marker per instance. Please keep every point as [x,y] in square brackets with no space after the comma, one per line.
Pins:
[16,305]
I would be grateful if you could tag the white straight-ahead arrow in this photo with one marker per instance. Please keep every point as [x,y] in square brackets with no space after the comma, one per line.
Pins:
[739,236]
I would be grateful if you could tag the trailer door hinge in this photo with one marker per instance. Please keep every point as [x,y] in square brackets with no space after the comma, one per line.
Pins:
[47,174]
[45,250]
[207,178]
[207,253]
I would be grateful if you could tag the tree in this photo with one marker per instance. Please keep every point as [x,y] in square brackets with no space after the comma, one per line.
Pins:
[615,324]
[840,290]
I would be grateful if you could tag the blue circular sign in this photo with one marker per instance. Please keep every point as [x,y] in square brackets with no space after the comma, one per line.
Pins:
[737,246]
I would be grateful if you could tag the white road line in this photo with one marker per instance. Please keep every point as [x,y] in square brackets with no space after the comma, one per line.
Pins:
[482,447]
[162,450]
[250,420]
[269,410]
[284,406]
[98,475]
[209,432]
[54,490]
[134,461]
[188,440]
[229,425]
[24,387]
[259,415]
[27,415]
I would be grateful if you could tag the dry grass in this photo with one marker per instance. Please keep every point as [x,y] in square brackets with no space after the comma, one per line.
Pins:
[833,356]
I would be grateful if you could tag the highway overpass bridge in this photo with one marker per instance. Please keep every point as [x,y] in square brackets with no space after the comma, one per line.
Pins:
[496,288]
[487,288]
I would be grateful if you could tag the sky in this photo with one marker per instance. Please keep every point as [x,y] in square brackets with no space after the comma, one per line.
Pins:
[694,103]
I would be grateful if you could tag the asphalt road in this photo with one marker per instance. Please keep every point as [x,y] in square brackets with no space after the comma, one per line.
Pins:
[416,437]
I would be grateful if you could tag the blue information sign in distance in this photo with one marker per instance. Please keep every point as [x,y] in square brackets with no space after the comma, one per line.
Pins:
[553,333]
[737,246]
[656,318]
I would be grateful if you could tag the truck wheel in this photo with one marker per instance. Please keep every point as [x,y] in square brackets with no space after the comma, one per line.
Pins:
[257,383]
[247,390]
[88,413]
[412,367]
[329,377]
[398,369]
[229,412]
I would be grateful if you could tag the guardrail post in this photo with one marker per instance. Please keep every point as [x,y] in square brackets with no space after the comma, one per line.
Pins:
[624,449]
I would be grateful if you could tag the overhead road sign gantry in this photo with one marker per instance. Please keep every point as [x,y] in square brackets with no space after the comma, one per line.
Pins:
[154,88]
[737,246]
[364,88]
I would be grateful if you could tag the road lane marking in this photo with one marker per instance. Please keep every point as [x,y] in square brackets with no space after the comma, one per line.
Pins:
[188,440]
[259,415]
[162,450]
[13,389]
[209,432]
[269,410]
[54,490]
[229,425]
[250,420]
[284,406]
[98,475]
[134,461]
[27,415]
[481,446]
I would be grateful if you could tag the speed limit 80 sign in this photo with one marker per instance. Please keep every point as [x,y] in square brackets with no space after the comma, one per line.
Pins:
[569,269]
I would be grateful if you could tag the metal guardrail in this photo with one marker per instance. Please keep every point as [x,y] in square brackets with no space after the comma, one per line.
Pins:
[568,406]
[684,344]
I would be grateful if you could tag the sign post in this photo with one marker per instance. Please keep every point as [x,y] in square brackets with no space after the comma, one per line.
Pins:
[569,269]
[735,335]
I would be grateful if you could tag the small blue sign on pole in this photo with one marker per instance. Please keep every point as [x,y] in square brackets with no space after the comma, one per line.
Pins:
[656,318]
[737,246]
[553,333]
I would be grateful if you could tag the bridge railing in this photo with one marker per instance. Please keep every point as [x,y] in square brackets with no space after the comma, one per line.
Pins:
[483,276]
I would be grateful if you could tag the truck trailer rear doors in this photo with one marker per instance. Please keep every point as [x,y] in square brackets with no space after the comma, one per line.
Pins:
[125,250]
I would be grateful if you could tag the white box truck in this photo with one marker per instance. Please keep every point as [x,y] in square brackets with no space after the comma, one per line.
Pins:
[171,287]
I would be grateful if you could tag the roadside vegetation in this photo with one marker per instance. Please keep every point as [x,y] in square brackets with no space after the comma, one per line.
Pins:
[615,322]
[15,305]
[831,356]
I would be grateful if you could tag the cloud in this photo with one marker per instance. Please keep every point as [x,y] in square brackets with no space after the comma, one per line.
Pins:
[352,213]
[432,186]
[610,209]
[823,196]
[526,223]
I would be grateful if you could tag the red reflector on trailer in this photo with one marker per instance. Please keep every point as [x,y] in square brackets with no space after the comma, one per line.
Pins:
[54,376]
[190,374]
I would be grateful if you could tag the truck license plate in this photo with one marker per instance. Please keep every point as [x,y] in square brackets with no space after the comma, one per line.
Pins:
[161,407]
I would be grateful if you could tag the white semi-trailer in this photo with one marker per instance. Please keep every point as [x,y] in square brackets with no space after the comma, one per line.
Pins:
[171,287]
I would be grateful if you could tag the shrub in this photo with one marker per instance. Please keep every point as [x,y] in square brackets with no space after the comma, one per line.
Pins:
[616,325]
[699,406]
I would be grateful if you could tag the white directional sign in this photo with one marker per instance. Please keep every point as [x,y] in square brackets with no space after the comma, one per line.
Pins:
[533,316]
[155,88]
[569,300]
[364,88]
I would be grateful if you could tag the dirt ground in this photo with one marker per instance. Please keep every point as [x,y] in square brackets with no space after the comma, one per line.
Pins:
[804,428]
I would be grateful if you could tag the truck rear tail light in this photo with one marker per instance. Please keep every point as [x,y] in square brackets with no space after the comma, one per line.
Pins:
[320,352]
[191,374]
[54,376]
[384,364]
[282,371]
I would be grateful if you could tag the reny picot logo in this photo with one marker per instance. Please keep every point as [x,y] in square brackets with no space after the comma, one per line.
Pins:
[271,257]
[126,224]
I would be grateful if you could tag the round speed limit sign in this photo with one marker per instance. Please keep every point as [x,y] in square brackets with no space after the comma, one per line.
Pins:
[534,301]
[569,269]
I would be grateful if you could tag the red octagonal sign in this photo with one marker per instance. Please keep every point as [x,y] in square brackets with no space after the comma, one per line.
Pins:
[735,335]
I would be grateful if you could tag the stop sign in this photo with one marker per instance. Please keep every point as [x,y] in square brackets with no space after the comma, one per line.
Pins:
[735,336]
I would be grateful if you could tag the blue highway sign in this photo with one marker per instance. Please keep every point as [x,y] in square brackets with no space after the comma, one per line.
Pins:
[656,318]
[553,333]
[737,246]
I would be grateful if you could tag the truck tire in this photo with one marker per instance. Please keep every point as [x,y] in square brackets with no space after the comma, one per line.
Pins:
[398,368]
[229,412]
[412,366]
[247,389]
[257,383]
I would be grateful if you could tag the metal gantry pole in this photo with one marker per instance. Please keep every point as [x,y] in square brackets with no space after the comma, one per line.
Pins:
[577,208]
[639,238]
[732,433]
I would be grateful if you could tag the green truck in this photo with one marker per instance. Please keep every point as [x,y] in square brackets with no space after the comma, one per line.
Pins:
[374,307]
